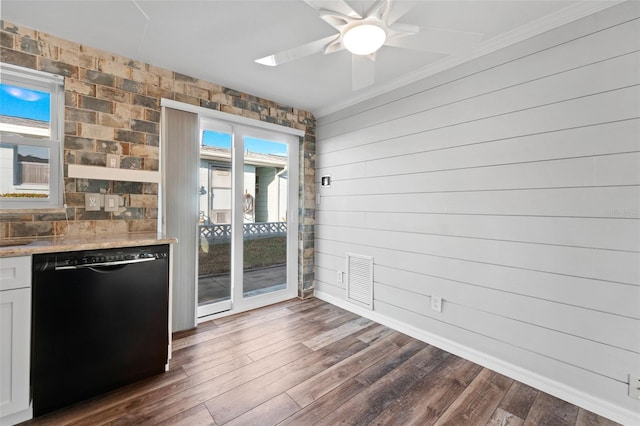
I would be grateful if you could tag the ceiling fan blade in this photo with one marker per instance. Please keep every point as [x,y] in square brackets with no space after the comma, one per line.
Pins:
[397,10]
[335,46]
[308,49]
[434,40]
[362,71]
[336,21]
[379,9]
[339,6]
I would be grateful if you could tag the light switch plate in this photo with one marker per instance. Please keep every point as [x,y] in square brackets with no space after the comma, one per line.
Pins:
[113,161]
[111,202]
[92,202]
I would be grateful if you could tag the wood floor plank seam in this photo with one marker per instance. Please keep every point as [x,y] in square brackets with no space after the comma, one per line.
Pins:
[366,406]
[231,403]
[209,389]
[429,398]
[311,389]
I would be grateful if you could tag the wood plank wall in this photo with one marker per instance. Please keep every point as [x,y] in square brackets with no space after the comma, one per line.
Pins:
[510,187]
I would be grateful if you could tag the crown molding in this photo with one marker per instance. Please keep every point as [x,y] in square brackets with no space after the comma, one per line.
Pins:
[532,29]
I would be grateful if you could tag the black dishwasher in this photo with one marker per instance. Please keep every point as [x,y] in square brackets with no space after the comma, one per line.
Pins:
[100,321]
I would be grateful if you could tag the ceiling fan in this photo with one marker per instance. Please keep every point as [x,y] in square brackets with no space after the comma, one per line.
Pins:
[363,35]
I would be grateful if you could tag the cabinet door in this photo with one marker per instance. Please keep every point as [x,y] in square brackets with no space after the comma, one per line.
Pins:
[15,331]
[15,272]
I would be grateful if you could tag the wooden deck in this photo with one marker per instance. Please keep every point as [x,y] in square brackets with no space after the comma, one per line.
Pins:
[308,362]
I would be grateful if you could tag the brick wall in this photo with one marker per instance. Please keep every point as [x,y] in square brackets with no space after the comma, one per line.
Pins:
[112,106]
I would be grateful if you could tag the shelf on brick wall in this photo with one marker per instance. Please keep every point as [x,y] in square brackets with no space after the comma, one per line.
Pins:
[106,173]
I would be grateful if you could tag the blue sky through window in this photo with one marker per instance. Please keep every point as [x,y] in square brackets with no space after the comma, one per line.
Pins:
[223,140]
[25,103]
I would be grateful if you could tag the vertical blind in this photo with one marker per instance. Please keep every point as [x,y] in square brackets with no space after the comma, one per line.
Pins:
[179,198]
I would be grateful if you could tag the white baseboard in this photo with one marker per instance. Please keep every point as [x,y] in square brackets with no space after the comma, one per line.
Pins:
[545,384]
[15,418]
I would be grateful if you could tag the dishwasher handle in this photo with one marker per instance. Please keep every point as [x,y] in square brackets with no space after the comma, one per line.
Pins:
[100,264]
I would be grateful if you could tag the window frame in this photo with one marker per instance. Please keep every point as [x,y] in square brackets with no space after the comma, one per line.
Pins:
[54,85]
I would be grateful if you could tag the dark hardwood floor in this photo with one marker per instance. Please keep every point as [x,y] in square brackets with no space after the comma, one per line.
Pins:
[308,362]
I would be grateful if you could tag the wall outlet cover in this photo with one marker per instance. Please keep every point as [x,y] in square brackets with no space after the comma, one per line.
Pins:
[634,386]
[111,202]
[339,276]
[93,202]
[436,303]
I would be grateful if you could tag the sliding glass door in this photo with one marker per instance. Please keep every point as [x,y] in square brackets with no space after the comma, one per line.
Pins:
[214,219]
[248,204]
[265,217]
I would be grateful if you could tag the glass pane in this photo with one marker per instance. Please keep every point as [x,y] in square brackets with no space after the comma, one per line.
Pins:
[25,111]
[24,171]
[214,254]
[265,217]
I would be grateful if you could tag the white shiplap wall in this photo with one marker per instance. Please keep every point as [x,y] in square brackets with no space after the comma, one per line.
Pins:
[510,187]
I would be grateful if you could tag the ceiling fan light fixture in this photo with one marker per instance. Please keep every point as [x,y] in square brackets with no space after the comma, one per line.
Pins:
[364,39]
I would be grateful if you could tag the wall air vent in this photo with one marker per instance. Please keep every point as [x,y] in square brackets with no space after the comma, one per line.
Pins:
[360,280]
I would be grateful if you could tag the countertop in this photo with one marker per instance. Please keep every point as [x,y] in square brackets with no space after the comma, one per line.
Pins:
[29,246]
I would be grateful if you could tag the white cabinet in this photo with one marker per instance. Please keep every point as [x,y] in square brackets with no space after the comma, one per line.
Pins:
[15,338]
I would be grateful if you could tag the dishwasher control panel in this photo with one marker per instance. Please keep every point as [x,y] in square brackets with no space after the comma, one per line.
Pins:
[84,260]
[108,257]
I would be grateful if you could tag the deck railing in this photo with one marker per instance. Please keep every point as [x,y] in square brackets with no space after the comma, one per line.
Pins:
[222,232]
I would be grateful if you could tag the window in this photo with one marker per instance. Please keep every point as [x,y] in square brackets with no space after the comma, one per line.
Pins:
[31,128]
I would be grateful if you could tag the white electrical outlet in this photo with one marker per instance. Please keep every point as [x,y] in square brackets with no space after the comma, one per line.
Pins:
[634,386]
[436,303]
[339,276]
[92,202]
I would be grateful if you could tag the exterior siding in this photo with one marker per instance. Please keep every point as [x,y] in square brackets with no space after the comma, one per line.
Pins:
[266,176]
[510,187]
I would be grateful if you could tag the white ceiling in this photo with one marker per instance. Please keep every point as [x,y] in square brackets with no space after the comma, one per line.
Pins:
[218,40]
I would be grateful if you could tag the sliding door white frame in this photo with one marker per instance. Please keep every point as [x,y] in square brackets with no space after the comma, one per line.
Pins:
[230,118]
[241,302]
